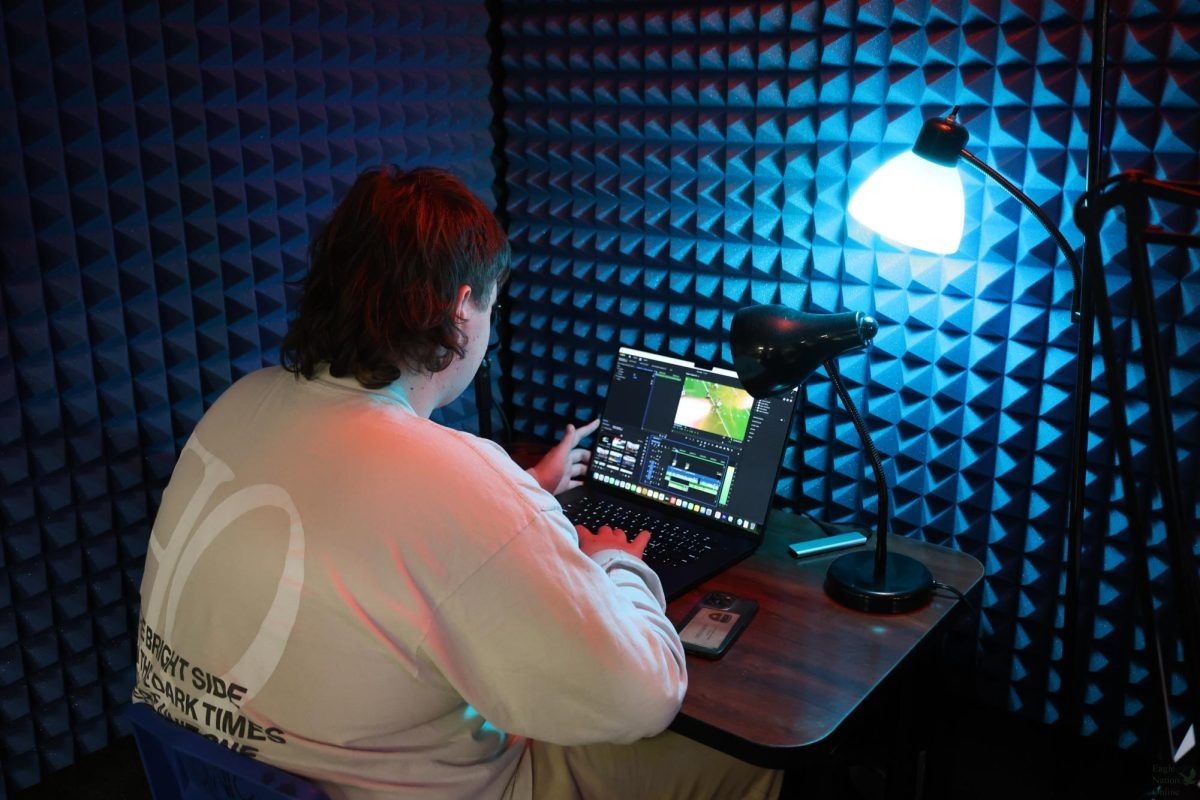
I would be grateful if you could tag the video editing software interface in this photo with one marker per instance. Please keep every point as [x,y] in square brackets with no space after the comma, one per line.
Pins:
[691,437]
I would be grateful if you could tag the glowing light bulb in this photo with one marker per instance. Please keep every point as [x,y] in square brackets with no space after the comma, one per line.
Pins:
[913,202]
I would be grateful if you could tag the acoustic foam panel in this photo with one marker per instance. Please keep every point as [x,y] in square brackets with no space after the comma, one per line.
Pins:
[670,163]
[162,169]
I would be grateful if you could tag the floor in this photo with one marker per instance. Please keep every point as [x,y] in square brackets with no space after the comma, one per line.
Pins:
[979,755]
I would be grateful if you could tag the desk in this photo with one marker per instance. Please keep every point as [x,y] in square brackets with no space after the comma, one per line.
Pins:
[804,665]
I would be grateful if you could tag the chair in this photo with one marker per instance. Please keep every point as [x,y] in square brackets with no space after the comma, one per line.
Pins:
[183,765]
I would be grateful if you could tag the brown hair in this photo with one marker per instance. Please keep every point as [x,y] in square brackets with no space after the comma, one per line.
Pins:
[384,273]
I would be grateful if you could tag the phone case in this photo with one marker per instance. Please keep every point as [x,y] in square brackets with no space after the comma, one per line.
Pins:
[715,622]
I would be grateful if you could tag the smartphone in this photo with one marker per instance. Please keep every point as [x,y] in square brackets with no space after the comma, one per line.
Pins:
[716,620]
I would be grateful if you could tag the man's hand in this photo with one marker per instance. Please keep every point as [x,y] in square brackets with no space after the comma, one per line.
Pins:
[565,463]
[606,538]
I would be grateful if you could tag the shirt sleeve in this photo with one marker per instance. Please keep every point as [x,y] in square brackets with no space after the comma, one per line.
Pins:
[547,643]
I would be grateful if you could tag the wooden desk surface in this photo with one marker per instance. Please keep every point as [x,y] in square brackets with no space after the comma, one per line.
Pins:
[805,663]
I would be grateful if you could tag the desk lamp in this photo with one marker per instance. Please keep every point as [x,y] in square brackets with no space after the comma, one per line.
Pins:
[774,348]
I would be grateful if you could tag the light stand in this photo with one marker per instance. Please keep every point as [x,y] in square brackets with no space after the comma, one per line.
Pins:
[1129,196]
[775,348]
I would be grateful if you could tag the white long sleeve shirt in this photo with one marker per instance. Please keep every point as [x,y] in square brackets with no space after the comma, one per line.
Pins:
[355,593]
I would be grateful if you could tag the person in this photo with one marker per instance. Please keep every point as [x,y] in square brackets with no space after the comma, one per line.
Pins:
[344,588]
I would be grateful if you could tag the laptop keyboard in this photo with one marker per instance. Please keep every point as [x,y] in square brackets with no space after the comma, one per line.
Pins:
[671,544]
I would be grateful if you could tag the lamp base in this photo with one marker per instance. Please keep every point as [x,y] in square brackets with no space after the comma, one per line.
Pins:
[907,584]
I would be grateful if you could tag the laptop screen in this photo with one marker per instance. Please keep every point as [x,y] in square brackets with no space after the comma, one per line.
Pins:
[691,438]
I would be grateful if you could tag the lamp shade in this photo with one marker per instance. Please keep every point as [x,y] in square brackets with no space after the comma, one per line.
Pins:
[774,347]
[914,202]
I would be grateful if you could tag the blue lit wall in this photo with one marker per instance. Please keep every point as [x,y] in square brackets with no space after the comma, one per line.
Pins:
[160,177]
[669,163]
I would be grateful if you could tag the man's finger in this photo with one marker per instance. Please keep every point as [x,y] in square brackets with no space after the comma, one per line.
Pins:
[584,432]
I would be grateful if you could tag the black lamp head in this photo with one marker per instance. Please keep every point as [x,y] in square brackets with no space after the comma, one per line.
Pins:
[775,347]
[941,140]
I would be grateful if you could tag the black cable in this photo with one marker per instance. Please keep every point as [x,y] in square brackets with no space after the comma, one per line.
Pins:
[961,597]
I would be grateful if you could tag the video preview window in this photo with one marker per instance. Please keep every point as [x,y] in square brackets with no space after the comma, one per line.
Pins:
[714,408]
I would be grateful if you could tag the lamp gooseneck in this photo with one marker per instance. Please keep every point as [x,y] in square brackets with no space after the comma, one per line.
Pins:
[1055,234]
[879,582]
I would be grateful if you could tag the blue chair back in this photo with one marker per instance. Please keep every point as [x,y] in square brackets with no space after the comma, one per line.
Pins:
[183,765]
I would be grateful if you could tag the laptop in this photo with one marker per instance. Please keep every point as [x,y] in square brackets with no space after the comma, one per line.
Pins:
[684,452]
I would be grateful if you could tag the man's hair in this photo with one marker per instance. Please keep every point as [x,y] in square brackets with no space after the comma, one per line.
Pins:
[384,273]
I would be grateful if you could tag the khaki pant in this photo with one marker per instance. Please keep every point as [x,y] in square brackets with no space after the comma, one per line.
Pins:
[666,767]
